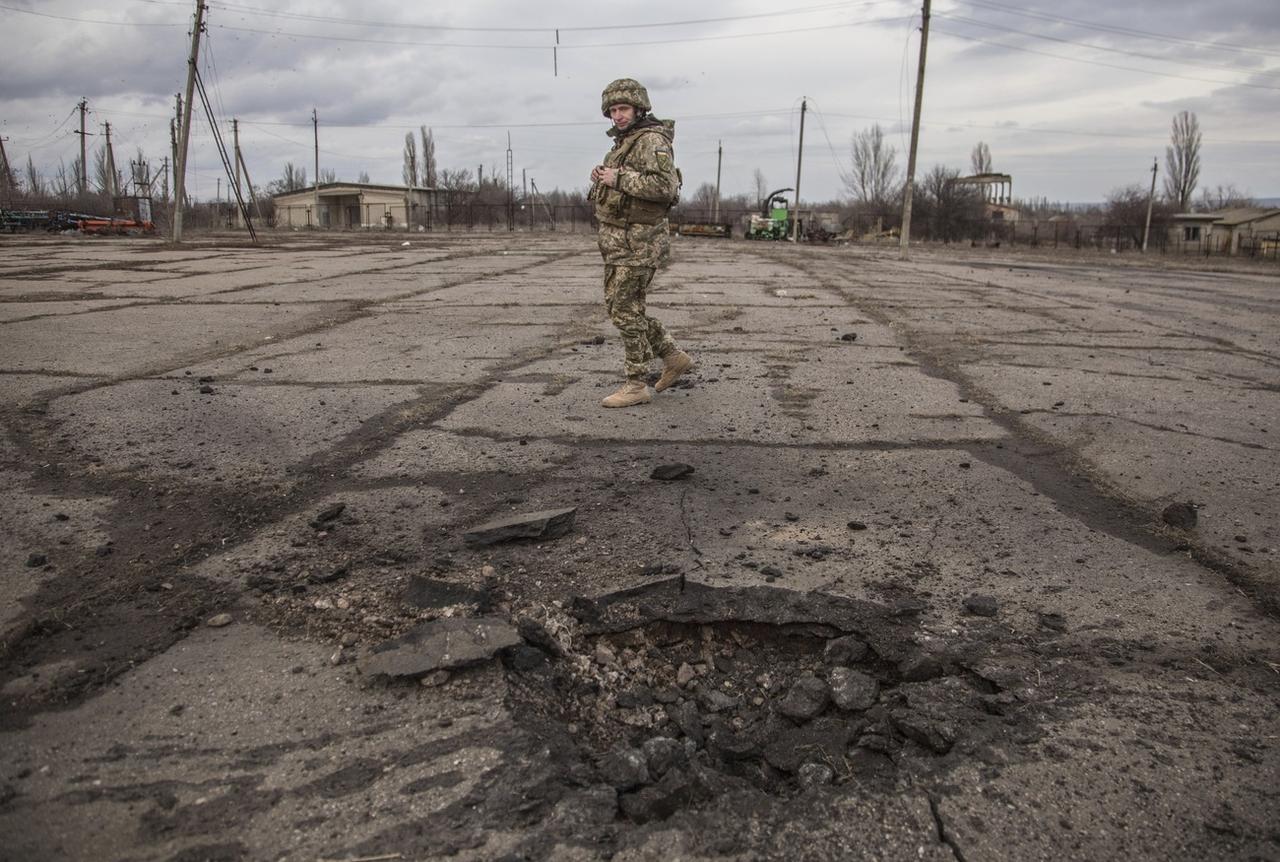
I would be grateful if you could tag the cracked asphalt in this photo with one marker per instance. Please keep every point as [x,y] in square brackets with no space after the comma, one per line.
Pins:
[901,434]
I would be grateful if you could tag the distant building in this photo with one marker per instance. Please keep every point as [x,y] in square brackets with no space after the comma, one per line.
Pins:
[1227,231]
[997,195]
[355,206]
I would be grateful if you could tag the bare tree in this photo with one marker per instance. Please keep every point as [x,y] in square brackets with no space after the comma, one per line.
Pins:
[328,175]
[980,158]
[294,178]
[65,183]
[875,171]
[762,187]
[102,171]
[363,178]
[409,173]
[1182,160]
[35,184]
[945,210]
[459,180]
[1126,212]
[1224,198]
[429,169]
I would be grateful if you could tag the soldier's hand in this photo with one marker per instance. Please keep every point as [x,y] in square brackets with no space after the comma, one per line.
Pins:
[608,176]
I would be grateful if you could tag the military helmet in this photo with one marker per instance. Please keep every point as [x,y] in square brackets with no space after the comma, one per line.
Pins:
[625,91]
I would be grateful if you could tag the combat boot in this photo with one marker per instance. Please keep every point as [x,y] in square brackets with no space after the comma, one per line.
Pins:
[673,366]
[633,392]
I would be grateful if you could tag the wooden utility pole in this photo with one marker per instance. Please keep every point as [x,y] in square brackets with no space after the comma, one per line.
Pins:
[1151,197]
[904,239]
[235,135]
[795,216]
[719,159]
[84,165]
[180,163]
[315,129]
[511,205]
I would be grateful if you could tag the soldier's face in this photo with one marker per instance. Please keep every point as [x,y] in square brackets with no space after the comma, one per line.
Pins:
[622,115]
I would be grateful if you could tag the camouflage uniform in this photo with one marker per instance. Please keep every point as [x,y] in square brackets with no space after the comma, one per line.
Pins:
[633,235]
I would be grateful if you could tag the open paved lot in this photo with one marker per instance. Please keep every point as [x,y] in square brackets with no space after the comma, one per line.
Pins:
[957,464]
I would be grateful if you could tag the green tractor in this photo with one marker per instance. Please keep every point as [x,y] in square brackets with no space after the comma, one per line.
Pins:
[774,220]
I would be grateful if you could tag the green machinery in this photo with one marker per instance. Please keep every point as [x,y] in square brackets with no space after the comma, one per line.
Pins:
[774,219]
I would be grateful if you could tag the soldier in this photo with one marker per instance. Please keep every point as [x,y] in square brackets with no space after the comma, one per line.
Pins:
[632,191]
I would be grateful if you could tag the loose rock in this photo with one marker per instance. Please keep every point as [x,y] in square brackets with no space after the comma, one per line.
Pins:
[815,775]
[546,524]
[35,561]
[981,606]
[671,472]
[844,651]
[443,643]
[625,768]
[327,515]
[806,699]
[852,690]
[920,667]
[1180,515]
[661,753]
[218,621]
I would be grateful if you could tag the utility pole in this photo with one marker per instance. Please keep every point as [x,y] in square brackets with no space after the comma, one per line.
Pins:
[6,177]
[1151,197]
[511,204]
[719,159]
[480,175]
[524,182]
[165,193]
[235,135]
[180,163]
[904,239]
[795,217]
[84,165]
[315,129]
[111,165]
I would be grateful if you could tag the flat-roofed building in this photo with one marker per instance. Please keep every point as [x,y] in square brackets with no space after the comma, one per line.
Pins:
[355,206]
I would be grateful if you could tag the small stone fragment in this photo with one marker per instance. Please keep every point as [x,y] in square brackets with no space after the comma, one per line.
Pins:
[218,621]
[685,675]
[625,768]
[444,643]
[815,775]
[844,651]
[849,336]
[806,699]
[1180,515]
[932,734]
[327,515]
[661,753]
[671,472]
[206,390]
[35,561]
[853,690]
[856,525]
[981,606]
[920,667]
[435,679]
[1053,620]
[604,656]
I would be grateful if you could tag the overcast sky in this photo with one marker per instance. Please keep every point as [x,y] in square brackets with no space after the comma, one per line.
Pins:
[1074,97]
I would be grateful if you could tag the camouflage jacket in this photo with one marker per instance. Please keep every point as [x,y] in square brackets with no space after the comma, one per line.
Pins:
[648,182]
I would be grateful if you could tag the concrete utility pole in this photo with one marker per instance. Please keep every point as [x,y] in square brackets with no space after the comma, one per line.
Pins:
[315,128]
[180,163]
[719,159]
[111,165]
[511,205]
[795,216]
[165,187]
[1151,198]
[6,176]
[235,135]
[84,165]
[904,239]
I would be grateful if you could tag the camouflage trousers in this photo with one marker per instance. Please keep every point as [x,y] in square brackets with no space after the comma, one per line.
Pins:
[643,337]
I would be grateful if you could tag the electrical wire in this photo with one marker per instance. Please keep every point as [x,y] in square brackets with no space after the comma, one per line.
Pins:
[401,25]
[84,20]
[1179,60]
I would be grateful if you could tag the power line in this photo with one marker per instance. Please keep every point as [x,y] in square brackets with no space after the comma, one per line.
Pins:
[1113,28]
[1180,61]
[1007,47]
[85,20]
[401,25]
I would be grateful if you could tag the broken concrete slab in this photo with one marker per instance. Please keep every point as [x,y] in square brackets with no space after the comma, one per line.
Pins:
[439,644]
[546,524]
[671,472]
[425,592]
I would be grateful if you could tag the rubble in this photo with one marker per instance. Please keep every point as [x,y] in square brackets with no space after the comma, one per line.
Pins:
[1183,516]
[671,472]
[981,606]
[440,644]
[546,524]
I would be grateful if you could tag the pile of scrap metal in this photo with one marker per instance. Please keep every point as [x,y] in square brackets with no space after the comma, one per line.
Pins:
[57,221]
[709,228]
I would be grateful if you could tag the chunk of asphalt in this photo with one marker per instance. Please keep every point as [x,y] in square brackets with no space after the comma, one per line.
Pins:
[844,651]
[444,643]
[671,472]
[546,524]
[431,593]
[1180,515]
[327,515]
[806,699]
[824,739]
[625,768]
[981,606]
[853,690]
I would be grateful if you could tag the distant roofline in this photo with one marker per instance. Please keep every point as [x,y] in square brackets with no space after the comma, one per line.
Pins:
[341,185]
